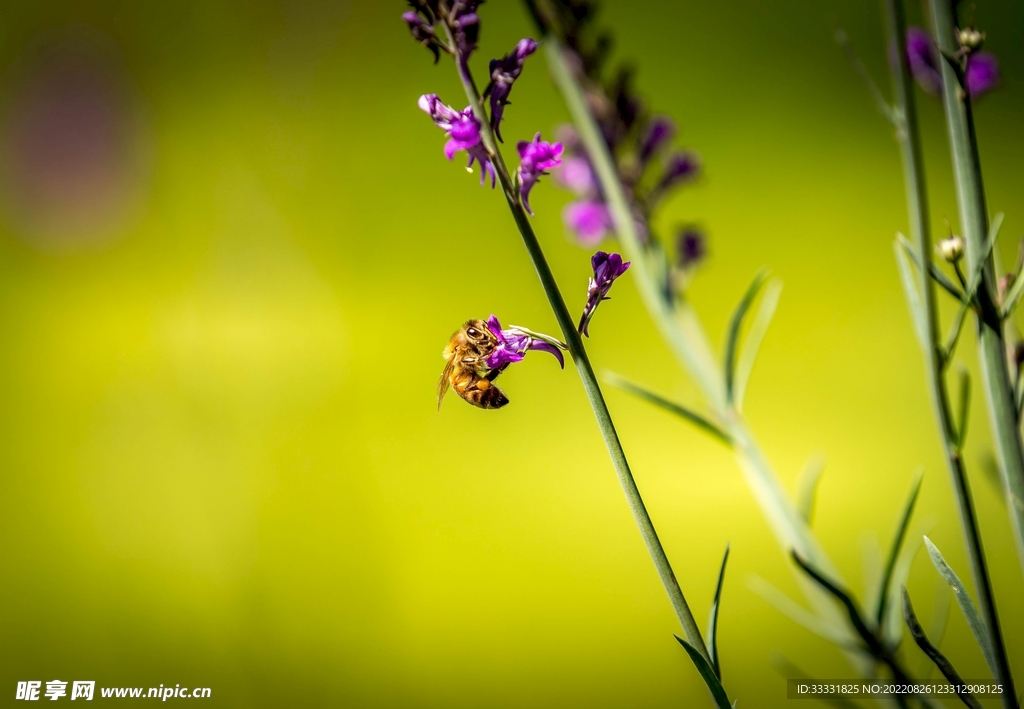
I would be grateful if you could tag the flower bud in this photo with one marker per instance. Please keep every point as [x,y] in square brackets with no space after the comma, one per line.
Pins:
[971,38]
[952,248]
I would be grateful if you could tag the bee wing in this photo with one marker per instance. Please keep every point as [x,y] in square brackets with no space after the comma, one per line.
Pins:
[445,381]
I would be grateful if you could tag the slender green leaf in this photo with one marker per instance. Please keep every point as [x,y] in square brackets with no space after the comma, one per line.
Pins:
[917,313]
[963,599]
[713,620]
[933,653]
[944,281]
[707,672]
[807,487]
[965,409]
[1013,296]
[734,333]
[617,380]
[897,543]
[954,332]
[798,614]
[755,336]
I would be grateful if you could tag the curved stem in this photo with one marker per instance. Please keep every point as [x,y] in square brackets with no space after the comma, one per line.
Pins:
[586,372]
[1002,411]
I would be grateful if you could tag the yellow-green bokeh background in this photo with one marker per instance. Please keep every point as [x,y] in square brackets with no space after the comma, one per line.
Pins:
[221,462]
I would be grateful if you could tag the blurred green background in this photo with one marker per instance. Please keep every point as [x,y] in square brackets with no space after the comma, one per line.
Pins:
[231,252]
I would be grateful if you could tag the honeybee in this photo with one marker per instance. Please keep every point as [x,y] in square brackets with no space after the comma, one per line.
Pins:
[466,370]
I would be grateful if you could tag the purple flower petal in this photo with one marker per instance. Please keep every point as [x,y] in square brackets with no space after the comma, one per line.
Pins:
[577,175]
[513,344]
[982,73]
[536,158]
[590,220]
[463,131]
[607,267]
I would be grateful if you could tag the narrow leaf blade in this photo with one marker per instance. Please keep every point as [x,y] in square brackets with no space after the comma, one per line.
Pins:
[708,674]
[944,281]
[758,329]
[807,487]
[897,543]
[713,620]
[620,382]
[965,602]
[732,340]
[933,653]
[917,314]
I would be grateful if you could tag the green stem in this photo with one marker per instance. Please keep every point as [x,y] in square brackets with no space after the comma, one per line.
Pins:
[995,372]
[681,328]
[586,371]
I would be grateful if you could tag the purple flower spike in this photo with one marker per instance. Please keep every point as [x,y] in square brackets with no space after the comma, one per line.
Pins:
[589,219]
[982,73]
[514,343]
[607,267]
[536,158]
[659,132]
[463,131]
[504,72]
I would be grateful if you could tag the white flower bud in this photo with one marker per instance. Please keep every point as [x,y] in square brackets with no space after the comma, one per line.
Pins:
[951,249]
[971,38]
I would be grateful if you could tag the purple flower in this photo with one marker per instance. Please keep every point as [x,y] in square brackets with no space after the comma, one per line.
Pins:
[589,219]
[691,247]
[921,58]
[659,131]
[681,167]
[577,175]
[504,72]
[514,343]
[982,74]
[536,158]
[463,131]
[607,267]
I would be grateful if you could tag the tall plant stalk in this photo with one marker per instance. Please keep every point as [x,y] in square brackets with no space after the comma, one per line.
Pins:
[583,367]
[681,328]
[974,224]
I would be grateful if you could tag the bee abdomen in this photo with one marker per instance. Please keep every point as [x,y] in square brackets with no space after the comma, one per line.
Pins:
[490,398]
[478,391]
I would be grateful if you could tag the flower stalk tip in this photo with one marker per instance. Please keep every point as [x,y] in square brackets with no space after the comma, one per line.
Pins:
[504,72]
[607,267]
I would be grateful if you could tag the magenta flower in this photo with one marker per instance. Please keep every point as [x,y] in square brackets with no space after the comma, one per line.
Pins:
[504,72]
[607,267]
[590,220]
[514,343]
[536,158]
[981,75]
[463,131]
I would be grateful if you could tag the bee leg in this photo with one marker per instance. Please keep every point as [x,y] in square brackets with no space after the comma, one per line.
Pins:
[493,374]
